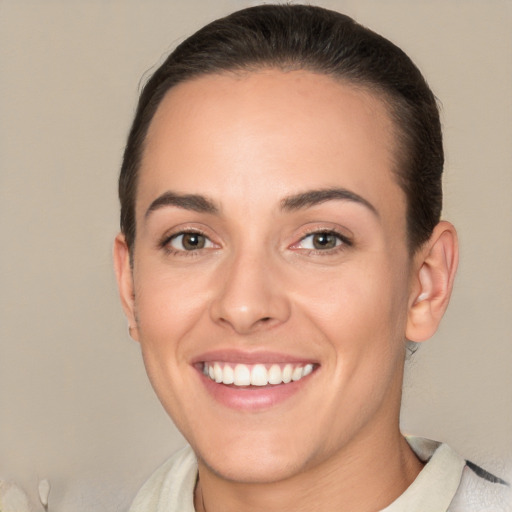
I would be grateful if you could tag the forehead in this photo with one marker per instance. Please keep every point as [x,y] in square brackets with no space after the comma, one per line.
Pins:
[290,130]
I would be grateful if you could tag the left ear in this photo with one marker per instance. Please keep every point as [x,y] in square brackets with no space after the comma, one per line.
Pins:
[435,264]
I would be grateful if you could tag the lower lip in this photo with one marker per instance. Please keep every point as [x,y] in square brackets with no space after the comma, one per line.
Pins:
[252,398]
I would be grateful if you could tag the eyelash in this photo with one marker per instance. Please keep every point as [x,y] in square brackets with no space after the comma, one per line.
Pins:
[165,243]
[344,243]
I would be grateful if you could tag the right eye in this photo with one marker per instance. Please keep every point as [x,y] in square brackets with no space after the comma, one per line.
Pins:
[189,241]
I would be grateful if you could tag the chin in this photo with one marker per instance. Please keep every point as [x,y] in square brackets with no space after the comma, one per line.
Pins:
[241,448]
[252,468]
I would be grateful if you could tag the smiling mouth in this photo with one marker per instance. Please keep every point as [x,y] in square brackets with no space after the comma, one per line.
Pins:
[244,375]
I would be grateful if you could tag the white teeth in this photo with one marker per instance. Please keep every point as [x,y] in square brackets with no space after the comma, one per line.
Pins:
[242,375]
[307,370]
[259,375]
[275,375]
[228,375]
[287,373]
[255,375]
[297,374]
[217,372]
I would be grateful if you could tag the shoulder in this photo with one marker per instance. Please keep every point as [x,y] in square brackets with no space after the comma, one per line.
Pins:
[465,486]
[447,483]
[481,491]
[171,487]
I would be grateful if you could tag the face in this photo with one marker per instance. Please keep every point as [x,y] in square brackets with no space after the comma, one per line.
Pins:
[271,277]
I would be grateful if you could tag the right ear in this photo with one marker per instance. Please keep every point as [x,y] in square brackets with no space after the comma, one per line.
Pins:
[124,278]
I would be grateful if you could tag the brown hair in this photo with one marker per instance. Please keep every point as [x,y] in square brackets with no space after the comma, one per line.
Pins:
[323,41]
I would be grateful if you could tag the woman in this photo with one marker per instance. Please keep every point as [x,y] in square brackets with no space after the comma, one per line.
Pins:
[281,240]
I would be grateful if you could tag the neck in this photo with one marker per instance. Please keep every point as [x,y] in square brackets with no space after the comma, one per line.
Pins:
[366,473]
[367,476]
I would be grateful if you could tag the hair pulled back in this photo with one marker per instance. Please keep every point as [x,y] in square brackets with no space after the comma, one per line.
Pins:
[293,37]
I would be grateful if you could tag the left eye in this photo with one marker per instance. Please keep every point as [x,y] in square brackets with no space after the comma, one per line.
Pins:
[190,242]
[321,241]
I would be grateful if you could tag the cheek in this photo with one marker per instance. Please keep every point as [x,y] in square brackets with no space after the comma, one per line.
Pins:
[360,301]
[168,302]
[168,308]
[361,314]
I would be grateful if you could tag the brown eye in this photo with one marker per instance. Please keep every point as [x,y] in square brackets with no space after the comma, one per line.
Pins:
[190,242]
[325,241]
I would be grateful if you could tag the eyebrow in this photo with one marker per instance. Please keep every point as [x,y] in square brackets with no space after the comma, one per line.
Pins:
[315,197]
[193,202]
[201,204]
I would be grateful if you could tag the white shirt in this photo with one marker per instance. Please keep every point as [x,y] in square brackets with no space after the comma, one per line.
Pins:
[447,483]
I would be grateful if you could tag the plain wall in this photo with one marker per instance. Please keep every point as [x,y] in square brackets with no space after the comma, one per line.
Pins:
[75,404]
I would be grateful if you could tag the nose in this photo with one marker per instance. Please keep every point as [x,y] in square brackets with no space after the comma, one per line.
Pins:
[251,295]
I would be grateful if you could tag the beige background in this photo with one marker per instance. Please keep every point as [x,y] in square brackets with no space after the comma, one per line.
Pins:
[75,405]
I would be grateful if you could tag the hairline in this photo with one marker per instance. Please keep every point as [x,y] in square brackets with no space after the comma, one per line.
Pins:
[399,153]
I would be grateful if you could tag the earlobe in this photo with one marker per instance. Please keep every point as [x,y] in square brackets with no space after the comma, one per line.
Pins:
[435,266]
[124,278]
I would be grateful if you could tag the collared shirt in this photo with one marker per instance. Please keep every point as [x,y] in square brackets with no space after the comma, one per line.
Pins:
[447,483]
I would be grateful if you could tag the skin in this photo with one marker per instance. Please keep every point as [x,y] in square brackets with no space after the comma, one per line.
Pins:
[245,143]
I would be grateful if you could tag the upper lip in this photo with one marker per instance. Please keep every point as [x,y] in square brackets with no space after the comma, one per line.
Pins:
[252,357]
